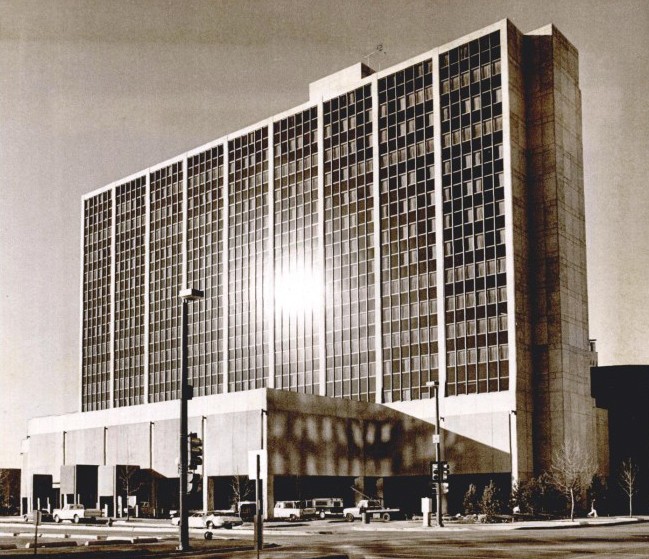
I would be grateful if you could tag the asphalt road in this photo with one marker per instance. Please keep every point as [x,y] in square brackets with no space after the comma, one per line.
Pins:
[618,542]
[395,540]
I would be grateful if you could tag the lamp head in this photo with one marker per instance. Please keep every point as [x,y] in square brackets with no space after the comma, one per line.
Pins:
[191,294]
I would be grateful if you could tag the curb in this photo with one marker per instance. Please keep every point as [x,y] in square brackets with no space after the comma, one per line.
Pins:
[93,543]
[31,545]
[581,524]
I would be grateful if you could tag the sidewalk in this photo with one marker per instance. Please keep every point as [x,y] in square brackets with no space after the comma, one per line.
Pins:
[453,526]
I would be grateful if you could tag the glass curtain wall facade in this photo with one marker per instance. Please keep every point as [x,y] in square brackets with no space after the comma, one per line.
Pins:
[349,246]
[249,259]
[475,282]
[96,284]
[205,214]
[130,292]
[315,330]
[408,259]
[165,277]
[297,361]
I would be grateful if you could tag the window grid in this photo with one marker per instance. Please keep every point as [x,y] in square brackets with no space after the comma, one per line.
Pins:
[130,256]
[249,256]
[474,221]
[96,356]
[296,247]
[166,237]
[408,261]
[349,246]
[205,270]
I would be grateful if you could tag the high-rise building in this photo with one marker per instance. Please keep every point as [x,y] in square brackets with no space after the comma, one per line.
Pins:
[424,222]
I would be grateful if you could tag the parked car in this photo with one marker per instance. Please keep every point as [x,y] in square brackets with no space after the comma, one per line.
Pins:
[194,520]
[46,516]
[327,506]
[293,510]
[222,519]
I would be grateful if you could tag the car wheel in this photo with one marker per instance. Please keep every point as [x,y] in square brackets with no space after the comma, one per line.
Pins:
[227,526]
[209,524]
[57,519]
[322,515]
[349,517]
[25,518]
[207,535]
[75,519]
[386,516]
[292,518]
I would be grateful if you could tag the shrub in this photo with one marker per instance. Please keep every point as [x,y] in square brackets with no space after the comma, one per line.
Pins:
[491,501]
[471,502]
[537,496]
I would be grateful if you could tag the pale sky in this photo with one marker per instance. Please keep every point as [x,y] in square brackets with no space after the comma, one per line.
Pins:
[92,91]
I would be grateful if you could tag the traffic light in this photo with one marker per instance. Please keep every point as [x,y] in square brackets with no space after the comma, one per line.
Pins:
[195,451]
[444,471]
[193,483]
[435,470]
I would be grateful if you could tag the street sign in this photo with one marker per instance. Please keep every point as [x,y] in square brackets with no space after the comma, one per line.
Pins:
[436,439]
[252,464]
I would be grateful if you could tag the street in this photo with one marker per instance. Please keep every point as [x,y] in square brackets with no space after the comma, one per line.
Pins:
[394,540]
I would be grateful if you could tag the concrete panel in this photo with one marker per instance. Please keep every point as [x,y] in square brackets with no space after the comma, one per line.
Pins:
[106,481]
[128,444]
[84,446]
[165,447]
[46,454]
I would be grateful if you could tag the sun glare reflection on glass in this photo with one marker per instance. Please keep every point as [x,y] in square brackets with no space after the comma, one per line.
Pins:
[296,292]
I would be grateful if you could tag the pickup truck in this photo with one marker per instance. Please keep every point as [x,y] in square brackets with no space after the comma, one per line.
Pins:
[372,507]
[76,514]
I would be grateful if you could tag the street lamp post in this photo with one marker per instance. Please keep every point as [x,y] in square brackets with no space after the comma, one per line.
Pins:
[186,295]
[434,385]
[259,494]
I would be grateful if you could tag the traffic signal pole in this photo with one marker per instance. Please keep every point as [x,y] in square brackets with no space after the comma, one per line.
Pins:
[434,386]
[440,523]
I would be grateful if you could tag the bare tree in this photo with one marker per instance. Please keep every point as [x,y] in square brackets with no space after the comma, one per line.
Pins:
[241,490]
[129,483]
[571,470]
[627,479]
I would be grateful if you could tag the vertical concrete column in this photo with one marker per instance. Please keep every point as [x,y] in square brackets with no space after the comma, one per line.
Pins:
[376,217]
[269,288]
[439,229]
[111,388]
[147,285]
[151,443]
[269,494]
[226,263]
[183,281]
[322,307]
[209,483]
[517,253]
[83,256]
[564,409]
